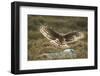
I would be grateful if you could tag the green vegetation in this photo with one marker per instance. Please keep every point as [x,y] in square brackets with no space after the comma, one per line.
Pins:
[38,44]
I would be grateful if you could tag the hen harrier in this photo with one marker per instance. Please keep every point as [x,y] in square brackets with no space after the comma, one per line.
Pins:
[58,39]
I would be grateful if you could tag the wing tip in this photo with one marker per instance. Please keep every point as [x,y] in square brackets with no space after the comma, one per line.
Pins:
[81,35]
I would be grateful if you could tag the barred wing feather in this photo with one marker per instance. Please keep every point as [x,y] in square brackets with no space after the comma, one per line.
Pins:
[49,33]
[60,40]
[73,36]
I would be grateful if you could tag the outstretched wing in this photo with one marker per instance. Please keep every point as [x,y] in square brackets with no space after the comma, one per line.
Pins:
[49,33]
[73,36]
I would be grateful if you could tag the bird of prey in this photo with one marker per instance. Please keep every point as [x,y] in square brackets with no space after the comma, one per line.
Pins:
[60,40]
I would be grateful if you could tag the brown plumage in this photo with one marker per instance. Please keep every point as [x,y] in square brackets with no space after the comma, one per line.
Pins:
[60,40]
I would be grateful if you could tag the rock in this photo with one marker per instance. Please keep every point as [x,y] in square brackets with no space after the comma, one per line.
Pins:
[71,53]
[66,54]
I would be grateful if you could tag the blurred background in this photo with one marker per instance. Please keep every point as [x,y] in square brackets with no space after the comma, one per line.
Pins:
[38,44]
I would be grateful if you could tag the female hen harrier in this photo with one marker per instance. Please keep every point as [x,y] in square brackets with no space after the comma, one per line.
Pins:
[60,40]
